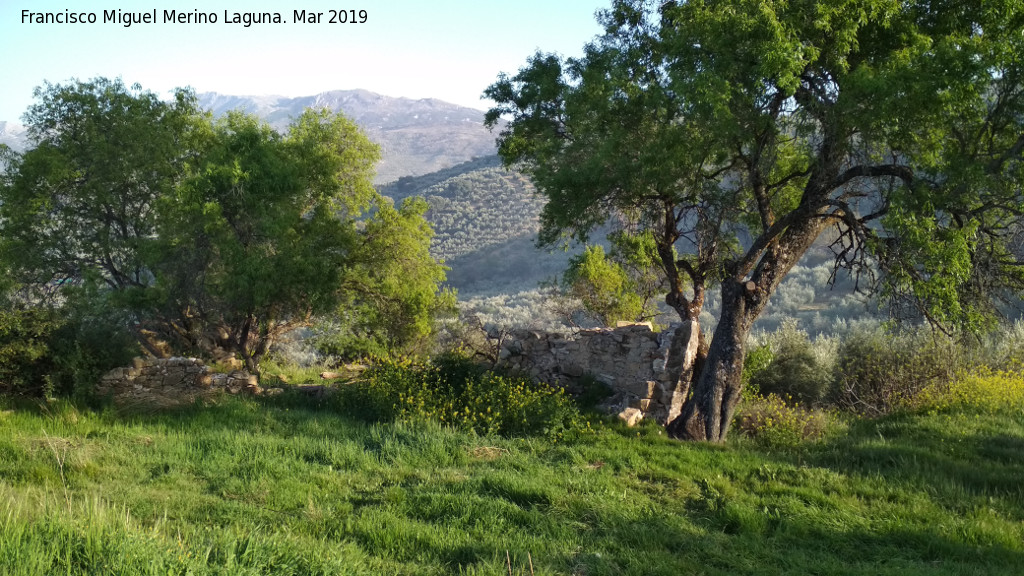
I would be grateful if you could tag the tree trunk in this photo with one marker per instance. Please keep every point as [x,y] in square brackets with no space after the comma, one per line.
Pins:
[685,359]
[708,411]
[718,382]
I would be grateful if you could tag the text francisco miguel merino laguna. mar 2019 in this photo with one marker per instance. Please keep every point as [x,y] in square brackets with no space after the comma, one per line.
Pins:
[155,16]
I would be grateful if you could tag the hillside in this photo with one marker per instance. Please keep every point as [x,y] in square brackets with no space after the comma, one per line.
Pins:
[485,221]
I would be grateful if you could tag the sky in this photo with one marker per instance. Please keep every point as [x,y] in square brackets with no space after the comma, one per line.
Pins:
[446,49]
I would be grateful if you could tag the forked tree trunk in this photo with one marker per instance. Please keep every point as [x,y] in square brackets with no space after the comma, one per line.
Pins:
[708,412]
[718,377]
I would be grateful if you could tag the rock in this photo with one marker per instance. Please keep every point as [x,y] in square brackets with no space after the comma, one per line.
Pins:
[631,416]
[314,390]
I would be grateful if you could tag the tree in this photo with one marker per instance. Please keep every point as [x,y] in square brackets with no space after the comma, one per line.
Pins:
[393,295]
[619,286]
[81,205]
[259,236]
[737,132]
[218,236]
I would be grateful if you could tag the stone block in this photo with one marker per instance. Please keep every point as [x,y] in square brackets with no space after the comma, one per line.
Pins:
[640,388]
[631,416]
[573,370]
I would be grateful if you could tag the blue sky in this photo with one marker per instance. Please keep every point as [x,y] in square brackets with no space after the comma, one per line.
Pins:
[447,49]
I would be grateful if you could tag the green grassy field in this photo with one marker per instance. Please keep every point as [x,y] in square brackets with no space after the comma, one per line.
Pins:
[283,487]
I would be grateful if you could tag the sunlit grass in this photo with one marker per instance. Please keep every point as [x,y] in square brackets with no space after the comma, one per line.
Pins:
[283,486]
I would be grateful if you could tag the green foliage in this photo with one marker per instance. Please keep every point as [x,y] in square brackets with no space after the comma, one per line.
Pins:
[881,370]
[93,338]
[984,390]
[757,359]
[604,288]
[776,422]
[394,297]
[795,369]
[213,235]
[46,351]
[454,391]
[258,237]
[79,207]
[621,286]
[25,357]
[738,132]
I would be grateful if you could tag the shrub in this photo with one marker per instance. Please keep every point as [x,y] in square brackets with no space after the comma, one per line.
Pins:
[455,391]
[796,368]
[84,349]
[62,352]
[757,359]
[771,421]
[26,360]
[1002,349]
[880,371]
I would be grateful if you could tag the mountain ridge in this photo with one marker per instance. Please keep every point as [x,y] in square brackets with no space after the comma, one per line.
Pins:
[416,136]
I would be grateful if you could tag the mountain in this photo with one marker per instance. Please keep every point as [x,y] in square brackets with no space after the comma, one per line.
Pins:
[416,136]
[13,135]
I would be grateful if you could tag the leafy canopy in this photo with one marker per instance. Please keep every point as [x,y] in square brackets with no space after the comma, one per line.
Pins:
[218,236]
[736,130]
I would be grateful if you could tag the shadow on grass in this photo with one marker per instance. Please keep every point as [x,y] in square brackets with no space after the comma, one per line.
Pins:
[936,454]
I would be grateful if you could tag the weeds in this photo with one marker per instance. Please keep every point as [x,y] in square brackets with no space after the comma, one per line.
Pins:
[454,391]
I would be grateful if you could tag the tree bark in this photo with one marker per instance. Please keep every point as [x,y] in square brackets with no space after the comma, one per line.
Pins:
[707,413]
[685,360]
[718,379]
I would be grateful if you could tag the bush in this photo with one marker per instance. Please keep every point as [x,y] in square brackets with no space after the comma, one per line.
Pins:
[880,371]
[757,359]
[1002,349]
[793,368]
[63,352]
[84,349]
[454,391]
[26,361]
[987,390]
[773,422]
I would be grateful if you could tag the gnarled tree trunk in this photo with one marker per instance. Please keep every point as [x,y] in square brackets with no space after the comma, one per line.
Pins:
[708,411]
[718,379]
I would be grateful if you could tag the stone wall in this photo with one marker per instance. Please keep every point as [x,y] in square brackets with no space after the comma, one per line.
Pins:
[171,381]
[641,367]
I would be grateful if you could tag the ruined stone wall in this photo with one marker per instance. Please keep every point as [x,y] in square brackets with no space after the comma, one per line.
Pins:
[641,367]
[163,382]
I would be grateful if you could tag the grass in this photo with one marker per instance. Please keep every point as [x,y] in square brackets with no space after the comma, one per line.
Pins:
[283,486]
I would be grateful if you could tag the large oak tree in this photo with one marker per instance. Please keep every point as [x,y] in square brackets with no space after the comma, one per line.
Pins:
[738,131]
